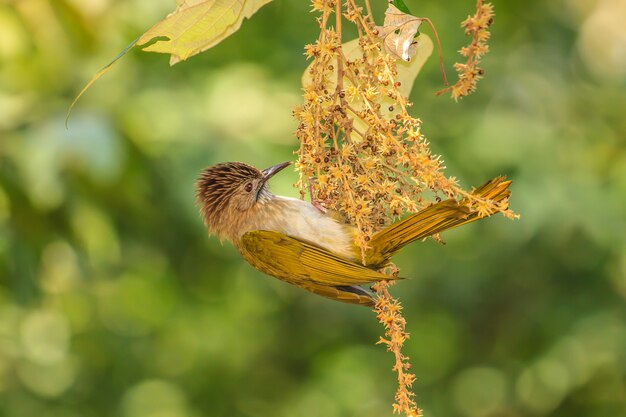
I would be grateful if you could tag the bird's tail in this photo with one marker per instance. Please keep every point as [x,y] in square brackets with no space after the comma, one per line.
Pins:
[434,219]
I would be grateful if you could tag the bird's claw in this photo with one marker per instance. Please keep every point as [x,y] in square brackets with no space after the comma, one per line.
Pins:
[315,202]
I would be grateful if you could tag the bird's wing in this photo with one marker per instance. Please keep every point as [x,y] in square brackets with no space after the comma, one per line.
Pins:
[434,219]
[302,263]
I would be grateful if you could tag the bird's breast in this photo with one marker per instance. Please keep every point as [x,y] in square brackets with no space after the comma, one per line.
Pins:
[300,219]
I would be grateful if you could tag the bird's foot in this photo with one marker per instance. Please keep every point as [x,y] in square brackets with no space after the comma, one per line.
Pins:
[316,202]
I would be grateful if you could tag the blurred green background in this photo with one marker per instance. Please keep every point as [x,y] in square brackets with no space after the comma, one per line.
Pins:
[114,302]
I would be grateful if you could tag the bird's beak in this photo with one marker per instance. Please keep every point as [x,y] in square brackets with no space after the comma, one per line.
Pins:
[273,170]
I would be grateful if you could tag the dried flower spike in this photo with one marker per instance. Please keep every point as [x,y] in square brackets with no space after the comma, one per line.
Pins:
[389,314]
[470,73]
[363,155]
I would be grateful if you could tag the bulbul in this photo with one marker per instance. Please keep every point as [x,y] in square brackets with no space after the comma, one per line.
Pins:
[297,242]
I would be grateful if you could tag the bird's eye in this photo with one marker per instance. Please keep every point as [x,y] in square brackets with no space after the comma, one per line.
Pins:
[248,187]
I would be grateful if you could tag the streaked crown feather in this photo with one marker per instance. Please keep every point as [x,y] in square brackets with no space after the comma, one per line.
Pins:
[215,188]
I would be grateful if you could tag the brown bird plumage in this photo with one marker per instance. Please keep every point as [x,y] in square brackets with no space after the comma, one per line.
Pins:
[294,241]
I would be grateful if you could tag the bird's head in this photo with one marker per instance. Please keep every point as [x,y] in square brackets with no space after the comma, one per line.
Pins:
[228,191]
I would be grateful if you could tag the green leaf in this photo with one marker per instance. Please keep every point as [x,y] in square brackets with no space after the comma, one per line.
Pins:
[400,5]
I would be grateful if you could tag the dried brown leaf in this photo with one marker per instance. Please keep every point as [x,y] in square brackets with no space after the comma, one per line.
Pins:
[398,33]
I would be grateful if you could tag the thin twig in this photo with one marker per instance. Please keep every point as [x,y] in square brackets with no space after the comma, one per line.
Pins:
[370,15]
[338,17]
[443,70]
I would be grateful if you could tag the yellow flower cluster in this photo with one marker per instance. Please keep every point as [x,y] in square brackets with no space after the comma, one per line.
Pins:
[360,150]
[363,156]
[477,27]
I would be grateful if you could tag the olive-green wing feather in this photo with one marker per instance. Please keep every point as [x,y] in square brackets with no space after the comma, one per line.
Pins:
[300,262]
[308,266]
[434,219]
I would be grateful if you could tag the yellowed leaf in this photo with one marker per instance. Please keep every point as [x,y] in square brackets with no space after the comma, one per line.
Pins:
[398,33]
[407,71]
[197,25]
[188,2]
[194,27]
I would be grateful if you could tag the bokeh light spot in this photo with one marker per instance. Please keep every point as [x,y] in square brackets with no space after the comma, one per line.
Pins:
[155,398]
[479,391]
[602,42]
[134,305]
[48,381]
[59,267]
[96,233]
[45,336]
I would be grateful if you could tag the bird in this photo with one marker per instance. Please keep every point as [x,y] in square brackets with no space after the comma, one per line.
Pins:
[301,243]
